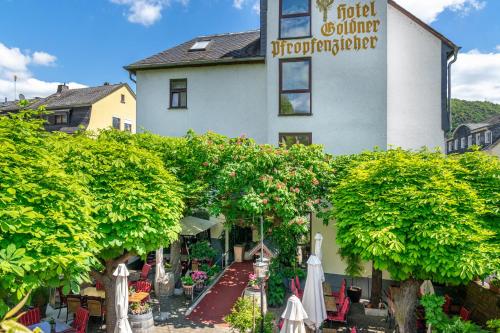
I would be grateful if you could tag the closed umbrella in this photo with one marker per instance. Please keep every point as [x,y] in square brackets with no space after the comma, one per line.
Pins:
[160,275]
[317,246]
[294,316]
[313,299]
[121,300]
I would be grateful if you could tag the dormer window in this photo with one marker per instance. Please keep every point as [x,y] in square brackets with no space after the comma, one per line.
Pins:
[478,139]
[200,45]
[295,19]
[488,137]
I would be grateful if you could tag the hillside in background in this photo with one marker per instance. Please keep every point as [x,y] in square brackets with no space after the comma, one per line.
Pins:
[472,112]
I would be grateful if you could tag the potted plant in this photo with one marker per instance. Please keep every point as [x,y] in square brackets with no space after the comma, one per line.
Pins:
[199,277]
[201,251]
[353,269]
[141,317]
[187,285]
[254,281]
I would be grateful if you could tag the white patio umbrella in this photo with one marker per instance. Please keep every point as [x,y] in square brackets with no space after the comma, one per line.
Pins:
[313,299]
[160,275]
[317,246]
[294,316]
[121,300]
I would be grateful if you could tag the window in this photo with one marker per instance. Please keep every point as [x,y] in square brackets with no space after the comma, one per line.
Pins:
[450,146]
[295,19]
[478,139]
[469,141]
[200,45]
[122,98]
[116,123]
[289,139]
[456,144]
[488,137]
[295,86]
[60,119]
[127,126]
[462,143]
[178,94]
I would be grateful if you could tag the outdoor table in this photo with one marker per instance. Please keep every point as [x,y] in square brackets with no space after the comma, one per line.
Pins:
[138,297]
[93,292]
[45,327]
[330,303]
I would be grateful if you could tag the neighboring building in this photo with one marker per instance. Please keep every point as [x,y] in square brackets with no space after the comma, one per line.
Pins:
[87,108]
[485,135]
[352,76]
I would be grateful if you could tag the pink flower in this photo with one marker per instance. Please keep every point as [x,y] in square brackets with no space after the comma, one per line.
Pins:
[265,201]
[205,163]
[232,174]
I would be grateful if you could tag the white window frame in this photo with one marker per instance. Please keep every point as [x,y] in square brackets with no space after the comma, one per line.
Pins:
[128,122]
[456,144]
[450,146]
[488,137]
[469,141]
[478,138]
[462,143]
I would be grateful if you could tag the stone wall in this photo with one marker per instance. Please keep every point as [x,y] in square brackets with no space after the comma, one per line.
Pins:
[484,303]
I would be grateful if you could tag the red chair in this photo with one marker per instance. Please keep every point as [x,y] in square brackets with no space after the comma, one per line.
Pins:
[464,313]
[99,285]
[81,320]
[447,304]
[30,317]
[341,316]
[336,294]
[145,272]
[143,286]
[295,290]
[341,298]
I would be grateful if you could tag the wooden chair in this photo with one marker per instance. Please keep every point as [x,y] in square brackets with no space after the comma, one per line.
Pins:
[296,291]
[145,272]
[96,307]
[341,316]
[81,320]
[30,317]
[465,313]
[74,302]
[327,289]
[341,294]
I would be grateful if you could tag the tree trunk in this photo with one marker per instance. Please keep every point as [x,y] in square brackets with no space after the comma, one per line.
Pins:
[110,287]
[376,293]
[405,303]
[175,258]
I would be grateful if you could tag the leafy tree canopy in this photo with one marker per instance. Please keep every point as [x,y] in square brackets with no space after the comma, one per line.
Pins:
[472,112]
[412,214]
[137,203]
[46,228]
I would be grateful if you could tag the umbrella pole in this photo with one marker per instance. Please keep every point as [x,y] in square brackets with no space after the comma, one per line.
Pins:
[262,280]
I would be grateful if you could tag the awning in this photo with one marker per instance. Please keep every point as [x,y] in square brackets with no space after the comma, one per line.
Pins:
[192,226]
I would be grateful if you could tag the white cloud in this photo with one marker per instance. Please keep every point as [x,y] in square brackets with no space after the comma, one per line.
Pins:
[13,62]
[476,76]
[43,58]
[429,10]
[240,4]
[497,48]
[146,12]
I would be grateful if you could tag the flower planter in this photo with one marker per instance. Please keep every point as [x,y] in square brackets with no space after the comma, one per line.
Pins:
[200,284]
[143,323]
[188,290]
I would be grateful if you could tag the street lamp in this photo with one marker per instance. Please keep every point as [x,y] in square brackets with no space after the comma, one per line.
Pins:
[262,271]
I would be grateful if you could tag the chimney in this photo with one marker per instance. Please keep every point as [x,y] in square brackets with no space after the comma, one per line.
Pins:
[106,83]
[263,27]
[61,88]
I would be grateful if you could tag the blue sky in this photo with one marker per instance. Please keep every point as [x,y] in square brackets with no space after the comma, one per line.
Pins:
[88,41]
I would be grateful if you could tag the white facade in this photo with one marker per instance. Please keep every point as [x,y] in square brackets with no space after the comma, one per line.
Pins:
[229,100]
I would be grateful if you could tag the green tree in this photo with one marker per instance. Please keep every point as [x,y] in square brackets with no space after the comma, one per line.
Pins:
[137,203]
[46,228]
[411,215]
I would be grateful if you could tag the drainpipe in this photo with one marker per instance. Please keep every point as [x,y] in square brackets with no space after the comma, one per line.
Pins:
[130,75]
[455,57]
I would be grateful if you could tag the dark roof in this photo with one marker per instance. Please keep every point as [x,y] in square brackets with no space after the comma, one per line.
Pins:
[224,48]
[423,24]
[72,98]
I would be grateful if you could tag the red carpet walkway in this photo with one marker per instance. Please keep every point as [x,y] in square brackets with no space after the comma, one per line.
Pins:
[221,298]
